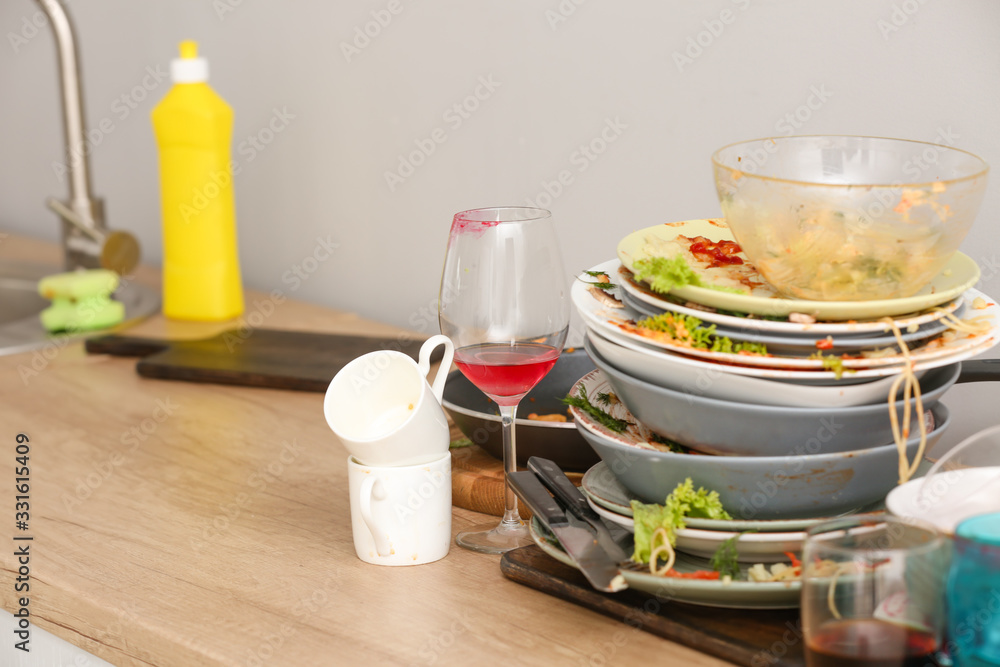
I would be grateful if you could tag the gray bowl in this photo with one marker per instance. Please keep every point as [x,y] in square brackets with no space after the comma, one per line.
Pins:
[794,486]
[746,429]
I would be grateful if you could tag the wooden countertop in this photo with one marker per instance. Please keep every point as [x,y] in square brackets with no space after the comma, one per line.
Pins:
[185,524]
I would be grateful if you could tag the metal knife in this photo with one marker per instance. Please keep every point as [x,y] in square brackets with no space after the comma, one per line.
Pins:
[576,536]
[560,485]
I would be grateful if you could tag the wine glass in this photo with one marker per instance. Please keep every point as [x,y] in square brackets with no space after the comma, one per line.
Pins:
[505,305]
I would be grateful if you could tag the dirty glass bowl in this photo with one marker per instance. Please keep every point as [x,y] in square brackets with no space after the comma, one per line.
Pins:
[844,218]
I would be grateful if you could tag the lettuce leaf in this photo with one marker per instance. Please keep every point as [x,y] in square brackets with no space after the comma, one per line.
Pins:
[664,274]
[667,273]
[700,504]
[647,519]
[682,502]
[688,329]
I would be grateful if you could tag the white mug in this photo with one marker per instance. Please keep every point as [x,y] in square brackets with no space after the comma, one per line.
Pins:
[401,515]
[383,410]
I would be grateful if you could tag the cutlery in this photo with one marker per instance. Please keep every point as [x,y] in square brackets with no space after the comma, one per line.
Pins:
[552,476]
[575,536]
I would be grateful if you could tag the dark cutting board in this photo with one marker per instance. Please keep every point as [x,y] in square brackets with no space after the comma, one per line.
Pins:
[264,358]
[755,638]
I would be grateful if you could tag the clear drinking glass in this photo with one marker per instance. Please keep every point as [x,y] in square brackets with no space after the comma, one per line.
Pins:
[873,592]
[505,305]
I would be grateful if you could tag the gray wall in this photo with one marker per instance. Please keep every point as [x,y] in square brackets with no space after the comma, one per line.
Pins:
[560,72]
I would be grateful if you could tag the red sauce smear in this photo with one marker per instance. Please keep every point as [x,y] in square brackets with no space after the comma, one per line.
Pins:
[697,574]
[715,253]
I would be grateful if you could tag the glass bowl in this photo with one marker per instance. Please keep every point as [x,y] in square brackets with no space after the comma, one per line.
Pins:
[844,218]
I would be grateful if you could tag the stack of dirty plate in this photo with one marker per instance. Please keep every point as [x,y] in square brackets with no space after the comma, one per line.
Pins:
[780,405]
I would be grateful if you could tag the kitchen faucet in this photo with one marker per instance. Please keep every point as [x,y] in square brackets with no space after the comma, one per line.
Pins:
[85,237]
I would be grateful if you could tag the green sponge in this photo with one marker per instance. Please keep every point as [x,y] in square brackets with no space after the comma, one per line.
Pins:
[78,284]
[81,301]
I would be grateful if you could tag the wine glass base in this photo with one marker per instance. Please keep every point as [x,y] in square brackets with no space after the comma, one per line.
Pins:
[495,539]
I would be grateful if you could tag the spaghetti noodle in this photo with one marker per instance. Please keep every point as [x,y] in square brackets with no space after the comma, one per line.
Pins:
[911,386]
[975,326]
[664,547]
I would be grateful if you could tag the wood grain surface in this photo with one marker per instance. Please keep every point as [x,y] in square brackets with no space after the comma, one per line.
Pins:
[477,481]
[188,525]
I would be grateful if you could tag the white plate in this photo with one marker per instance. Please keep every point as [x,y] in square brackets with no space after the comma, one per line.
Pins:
[750,547]
[959,274]
[708,593]
[805,344]
[617,324]
[954,495]
[794,377]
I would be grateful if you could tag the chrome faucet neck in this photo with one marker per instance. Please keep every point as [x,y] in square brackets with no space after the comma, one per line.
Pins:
[80,249]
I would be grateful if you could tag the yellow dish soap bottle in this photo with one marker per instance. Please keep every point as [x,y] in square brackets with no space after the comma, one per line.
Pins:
[194,127]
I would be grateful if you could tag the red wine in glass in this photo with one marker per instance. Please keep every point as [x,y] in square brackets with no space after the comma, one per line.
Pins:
[506,371]
[870,642]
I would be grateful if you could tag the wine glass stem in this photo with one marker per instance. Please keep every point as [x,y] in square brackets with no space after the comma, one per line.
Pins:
[510,515]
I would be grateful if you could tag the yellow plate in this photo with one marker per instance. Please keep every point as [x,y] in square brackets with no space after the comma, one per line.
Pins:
[959,274]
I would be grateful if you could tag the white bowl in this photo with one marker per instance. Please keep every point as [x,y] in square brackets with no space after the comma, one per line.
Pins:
[953,496]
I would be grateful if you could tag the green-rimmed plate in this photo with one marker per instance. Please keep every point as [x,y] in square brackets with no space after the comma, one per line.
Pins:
[708,593]
[601,486]
[959,274]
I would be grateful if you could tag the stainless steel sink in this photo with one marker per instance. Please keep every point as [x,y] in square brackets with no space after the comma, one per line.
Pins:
[20,327]
[18,294]
[84,232]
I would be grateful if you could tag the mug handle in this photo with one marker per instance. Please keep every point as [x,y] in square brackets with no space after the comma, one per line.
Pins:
[368,490]
[425,362]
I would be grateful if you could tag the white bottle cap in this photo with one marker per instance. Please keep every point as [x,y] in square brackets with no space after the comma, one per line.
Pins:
[189,68]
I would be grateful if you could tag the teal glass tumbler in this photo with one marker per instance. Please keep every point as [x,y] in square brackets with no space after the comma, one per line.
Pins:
[974,593]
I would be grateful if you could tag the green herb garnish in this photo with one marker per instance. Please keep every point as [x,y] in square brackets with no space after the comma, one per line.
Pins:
[599,285]
[583,403]
[688,330]
[725,559]
[669,444]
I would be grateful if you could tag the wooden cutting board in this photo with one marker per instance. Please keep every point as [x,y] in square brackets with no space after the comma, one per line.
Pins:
[755,638]
[477,481]
[254,358]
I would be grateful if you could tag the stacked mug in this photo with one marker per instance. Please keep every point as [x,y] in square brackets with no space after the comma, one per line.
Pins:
[390,420]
